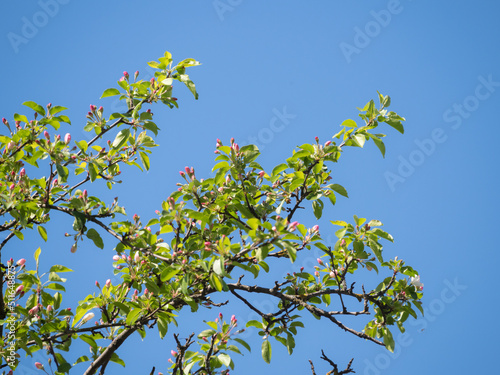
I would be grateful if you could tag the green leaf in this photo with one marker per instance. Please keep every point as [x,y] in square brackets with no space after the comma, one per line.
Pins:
[266,351]
[95,236]
[133,315]
[339,189]
[388,340]
[116,359]
[317,208]
[121,138]
[243,343]
[63,172]
[37,255]
[225,359]
[92,172]
[59,268]
[35,107]
[43,232]
[350,123]
[162,327]
[278,169]
[144,159]
[110,92]
[378,142]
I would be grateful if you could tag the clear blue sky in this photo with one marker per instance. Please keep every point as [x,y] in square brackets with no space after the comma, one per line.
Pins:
[315,61]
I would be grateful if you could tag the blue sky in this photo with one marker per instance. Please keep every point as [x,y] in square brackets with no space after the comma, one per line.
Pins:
[309,65]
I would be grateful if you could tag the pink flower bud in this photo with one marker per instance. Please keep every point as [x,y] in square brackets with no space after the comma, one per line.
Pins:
[173,353]
[233,318]
[4,120]
[316,273]
[22,172]
[320,262]
[125,74]
[85,193]
[97,284]
[315,228]
[46,134]
[21,262]
[67,138]
[108,283]
[38,365]
[137,257]
[19,289]
[55,182]
[316,138]
[328,143]
[261,174]
[12,186]
[342,243]
[182,173]
[124,257]
[220,316]
[333,274]
[49,308]
[116,257]
[11,145]
[136,74]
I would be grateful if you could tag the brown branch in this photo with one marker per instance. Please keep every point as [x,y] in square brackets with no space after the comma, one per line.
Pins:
[105,357]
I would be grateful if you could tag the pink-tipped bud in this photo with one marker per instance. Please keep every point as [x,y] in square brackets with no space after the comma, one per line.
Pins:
[67,138]
[233,318]
[137,257]
[152,80]
[22,172]
[97,284]
[320,262]
[11,145]
[55,182]
[12,186]
[116,258]
[328,143]
[85,193]
[292,226]
[173,353]
[50,308]
[19,289]
[236,148]
[316,273]
[136,74]
[220,316]
[342,243]
[108,283]
[38,365]
[316,139]
[125,74]
[4,120]
[333,274]
[21,262]
[315,228]
[157,212]
[124,257]
[182,173]
[46,135]
[262,174]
